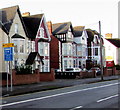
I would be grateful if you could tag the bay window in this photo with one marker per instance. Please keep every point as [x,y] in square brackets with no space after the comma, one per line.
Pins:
[46,49]
[15,46]
[67,48]
[96,51]
[43,48]
[19,45]
[65,64]
[28,47]
[45,67]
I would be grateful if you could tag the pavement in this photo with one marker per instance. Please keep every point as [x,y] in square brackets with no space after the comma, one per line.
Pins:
[57,83]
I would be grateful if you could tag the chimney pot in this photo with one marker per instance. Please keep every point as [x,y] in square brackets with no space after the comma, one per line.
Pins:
[26,14]
[49,24]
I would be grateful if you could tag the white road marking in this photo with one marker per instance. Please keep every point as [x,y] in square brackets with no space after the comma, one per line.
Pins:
[76,108]
[40,98]
[107,98]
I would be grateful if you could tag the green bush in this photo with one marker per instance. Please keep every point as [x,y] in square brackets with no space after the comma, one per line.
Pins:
[24,69]
[117,67]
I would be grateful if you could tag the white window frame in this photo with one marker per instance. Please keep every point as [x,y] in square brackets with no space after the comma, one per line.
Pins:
[18,45]
[46,66]
[96,51]
[41,33]
[21,46]
[16,27]
[33,46]
[43,48]
[65,64]
[28,46]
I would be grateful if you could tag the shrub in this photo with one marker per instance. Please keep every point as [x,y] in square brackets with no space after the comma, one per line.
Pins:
[117,67]
[24,69]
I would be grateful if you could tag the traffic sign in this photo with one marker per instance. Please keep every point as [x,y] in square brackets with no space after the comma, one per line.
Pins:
[8,45]
[8,54]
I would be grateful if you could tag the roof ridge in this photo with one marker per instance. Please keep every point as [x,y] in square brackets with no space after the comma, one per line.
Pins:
[62,22]
[11,7]
[34,16]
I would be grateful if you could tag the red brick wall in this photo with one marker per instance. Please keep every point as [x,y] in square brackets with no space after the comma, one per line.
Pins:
[30,78]
[54,53]
[47,76]
[117,72]
[25,78]
[107,72]
[112,71]
[87,75]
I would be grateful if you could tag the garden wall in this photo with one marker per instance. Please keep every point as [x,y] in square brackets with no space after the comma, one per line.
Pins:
[47,76]
[87,75]
[36,77]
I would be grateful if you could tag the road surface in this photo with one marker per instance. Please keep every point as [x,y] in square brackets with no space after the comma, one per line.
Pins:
[95,95]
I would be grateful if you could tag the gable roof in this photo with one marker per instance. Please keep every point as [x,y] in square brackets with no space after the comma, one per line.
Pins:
[78,30]
[8,15]
[115,42]
[17,36]
[32,24]
[61,28]
[31,58]
[3,28]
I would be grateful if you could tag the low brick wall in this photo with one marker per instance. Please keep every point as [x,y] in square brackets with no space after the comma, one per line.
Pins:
[117,72]
[36,77]
[108,72]
[25,78]
[47,76]
[87,75]
[111,71]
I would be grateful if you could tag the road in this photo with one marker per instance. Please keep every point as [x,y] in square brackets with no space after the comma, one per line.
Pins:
[95,95]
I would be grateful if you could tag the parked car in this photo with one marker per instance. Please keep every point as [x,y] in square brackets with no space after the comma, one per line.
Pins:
[73,70]
[96,69]
[57,70]
[84,70]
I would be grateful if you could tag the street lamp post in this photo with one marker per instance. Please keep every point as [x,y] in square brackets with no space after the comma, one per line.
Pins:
[101,57]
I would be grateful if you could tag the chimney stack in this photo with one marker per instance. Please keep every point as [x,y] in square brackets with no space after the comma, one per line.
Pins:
[108,36]
[25,14]
[49,24]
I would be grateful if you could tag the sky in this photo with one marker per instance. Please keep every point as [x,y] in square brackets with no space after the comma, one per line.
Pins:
[86,13]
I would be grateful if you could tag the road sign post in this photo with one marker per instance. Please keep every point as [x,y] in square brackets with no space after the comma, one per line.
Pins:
[8,56]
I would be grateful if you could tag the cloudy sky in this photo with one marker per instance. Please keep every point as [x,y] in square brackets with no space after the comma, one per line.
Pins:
[80,12]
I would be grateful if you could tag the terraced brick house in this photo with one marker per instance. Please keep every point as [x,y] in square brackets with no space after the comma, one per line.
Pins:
[30,37]
[38,33]
[16,33]
[64,47]
[93,45]
[80,37]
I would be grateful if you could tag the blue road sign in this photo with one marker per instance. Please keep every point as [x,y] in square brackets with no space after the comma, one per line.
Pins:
[8,54]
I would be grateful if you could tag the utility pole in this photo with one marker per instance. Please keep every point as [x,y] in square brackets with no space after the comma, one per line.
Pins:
[101,57]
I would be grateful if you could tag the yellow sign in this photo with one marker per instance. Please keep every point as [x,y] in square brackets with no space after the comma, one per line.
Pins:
[8,45]
[109,58]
